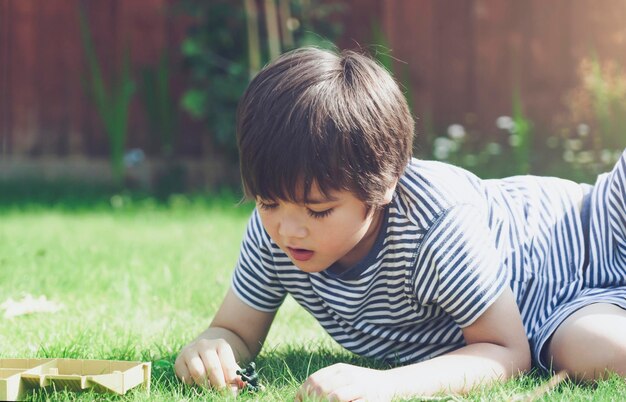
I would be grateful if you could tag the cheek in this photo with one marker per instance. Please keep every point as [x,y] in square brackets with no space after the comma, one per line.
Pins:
[268,224]
[345,228]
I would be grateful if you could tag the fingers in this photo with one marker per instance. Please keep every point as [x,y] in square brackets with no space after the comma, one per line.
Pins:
[209,364]
[343,382]
[213,370]
[195,368]
[229,364]
[318,384]
[182,371]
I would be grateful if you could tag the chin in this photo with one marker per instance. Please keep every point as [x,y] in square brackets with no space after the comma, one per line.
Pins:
[308,267]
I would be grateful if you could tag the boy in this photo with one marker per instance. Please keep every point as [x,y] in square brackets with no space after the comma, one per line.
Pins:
[457,279]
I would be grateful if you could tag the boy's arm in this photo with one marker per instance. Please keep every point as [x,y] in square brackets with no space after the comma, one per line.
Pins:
[244,324]
[235,335]
[497,349]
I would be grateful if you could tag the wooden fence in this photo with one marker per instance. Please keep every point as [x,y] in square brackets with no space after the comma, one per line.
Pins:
[44,108]
[461,60]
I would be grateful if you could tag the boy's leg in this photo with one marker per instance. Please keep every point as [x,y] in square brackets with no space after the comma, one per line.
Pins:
[590,342]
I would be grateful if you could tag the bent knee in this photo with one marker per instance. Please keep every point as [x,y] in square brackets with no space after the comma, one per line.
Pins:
[584,358]
[588,346]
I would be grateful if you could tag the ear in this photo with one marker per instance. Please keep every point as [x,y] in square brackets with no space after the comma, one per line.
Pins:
[389,193]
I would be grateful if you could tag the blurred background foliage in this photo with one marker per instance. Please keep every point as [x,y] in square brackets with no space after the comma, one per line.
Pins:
[231,41]
[586,139]
[144,108]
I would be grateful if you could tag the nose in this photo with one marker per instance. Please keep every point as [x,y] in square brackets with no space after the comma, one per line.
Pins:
[290,227]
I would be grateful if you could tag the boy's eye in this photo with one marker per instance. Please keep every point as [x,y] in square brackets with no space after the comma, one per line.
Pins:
[267,207]
[320,214]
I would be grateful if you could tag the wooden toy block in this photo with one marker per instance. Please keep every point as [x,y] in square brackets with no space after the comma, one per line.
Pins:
[18,376]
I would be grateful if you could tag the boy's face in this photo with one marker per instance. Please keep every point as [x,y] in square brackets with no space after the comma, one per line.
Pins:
[323,231]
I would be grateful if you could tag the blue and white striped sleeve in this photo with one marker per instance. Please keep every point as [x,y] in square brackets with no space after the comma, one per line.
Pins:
[255,280]
[458,267]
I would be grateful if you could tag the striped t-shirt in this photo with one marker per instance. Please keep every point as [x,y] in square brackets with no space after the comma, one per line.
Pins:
[449,244]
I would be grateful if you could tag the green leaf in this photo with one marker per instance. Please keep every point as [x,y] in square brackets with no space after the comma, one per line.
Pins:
[194,102]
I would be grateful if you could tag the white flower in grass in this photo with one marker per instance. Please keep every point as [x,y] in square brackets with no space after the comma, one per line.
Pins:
[454,146]
[293,24]
[583,130]
[505,123]
[117,201]
[441,142]
[568,156]
[574,144]
[552,141]
[456,132]
[606,156]
[493,148]
[443,147]
[515,140]
[441,153]
[470,160]
[584,157]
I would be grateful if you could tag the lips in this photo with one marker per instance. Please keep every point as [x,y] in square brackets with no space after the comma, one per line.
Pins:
[300,254]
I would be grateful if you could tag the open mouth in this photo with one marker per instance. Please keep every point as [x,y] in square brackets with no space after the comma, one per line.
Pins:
[300,254]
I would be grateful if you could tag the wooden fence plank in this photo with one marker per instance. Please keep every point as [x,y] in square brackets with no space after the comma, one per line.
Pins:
[58,73]
[102,19]
[5,82]
[23,66]
[144,33]
[498,42]
[453,46]
[410,27]
[77,99]
[547,66]
[358,18]
[192,137]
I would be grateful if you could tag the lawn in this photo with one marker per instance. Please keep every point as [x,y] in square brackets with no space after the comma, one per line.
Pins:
[140,278]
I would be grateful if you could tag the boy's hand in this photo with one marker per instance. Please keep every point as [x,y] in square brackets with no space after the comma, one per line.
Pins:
[209,363]
[345,382]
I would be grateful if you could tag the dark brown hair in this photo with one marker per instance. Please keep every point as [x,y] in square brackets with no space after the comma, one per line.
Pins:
[314,116]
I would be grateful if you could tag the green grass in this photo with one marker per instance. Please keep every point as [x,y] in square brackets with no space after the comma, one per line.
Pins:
[143,278]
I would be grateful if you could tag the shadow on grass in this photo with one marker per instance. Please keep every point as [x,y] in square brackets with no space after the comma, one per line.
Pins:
[292,365]
[281,371]
[284,369]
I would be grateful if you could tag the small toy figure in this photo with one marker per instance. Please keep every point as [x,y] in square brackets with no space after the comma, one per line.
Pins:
[250,377]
